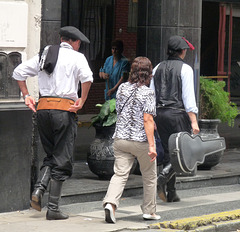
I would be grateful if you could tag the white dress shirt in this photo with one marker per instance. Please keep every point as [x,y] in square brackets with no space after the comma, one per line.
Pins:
[71,68]
[188,94]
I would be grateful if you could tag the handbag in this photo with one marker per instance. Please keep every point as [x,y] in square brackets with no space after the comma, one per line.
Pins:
[159,148]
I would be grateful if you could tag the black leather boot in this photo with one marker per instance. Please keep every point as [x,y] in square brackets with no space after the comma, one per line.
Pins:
[171,189]
[164,176]
[40,187]
[54,212]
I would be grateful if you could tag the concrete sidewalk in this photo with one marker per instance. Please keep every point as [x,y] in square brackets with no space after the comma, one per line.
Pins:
[86,217]
[215,193]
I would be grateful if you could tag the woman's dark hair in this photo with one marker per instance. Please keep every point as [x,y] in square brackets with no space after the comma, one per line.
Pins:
[141,71]
[118,44]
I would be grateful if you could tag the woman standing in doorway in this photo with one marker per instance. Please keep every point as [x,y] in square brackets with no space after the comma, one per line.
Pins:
[113,70]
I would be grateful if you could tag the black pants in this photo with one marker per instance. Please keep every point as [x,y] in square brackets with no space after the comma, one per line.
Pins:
[58,130]
[171,121]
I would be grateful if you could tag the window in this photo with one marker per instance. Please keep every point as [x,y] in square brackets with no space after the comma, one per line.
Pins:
[8,86]
[132,15]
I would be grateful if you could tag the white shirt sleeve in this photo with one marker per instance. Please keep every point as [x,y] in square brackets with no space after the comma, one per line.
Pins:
[26,69]
[84,72]
[152,86]
[188,94]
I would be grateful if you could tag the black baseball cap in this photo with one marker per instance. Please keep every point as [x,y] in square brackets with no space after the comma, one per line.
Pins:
[73,33]
[178,43]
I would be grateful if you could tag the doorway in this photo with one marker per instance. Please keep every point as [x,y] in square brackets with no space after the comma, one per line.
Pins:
[220,44]
[95,18]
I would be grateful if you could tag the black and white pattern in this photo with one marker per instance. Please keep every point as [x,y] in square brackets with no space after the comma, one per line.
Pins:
[131,103]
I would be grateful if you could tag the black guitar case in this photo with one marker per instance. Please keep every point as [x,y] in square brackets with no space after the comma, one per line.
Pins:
[186,151]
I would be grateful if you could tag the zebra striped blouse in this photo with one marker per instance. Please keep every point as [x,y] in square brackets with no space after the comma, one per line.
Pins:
[131,103]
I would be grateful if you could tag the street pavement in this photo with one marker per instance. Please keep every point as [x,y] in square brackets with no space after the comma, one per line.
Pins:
[210,201]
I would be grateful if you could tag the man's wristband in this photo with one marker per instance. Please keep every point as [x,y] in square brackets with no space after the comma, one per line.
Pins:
[28,95]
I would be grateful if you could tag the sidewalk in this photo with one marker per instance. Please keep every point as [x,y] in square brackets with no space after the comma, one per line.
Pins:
[215,193]
[129,218]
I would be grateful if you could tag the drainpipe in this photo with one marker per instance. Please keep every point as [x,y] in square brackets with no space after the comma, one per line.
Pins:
[230,48]
[221,40]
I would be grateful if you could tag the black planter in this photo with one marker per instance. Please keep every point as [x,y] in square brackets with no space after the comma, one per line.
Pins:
[101,157]
[209,130]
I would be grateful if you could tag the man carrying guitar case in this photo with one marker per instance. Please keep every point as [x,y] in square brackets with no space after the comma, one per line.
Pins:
[173,83]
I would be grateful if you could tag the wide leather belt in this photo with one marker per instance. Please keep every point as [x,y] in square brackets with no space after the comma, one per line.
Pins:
[54,103]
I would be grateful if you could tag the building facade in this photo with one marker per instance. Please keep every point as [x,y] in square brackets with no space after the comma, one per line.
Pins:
[143,25]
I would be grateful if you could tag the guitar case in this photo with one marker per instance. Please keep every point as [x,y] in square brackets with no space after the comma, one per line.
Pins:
[186,151]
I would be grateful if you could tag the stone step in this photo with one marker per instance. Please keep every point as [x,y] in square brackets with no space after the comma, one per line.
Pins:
[84,186]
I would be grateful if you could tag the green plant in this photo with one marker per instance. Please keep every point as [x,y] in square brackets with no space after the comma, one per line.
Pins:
[107,115]
[214,102]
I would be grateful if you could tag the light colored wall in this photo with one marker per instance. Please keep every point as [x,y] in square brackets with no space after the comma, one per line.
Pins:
[33,46]
[14,37]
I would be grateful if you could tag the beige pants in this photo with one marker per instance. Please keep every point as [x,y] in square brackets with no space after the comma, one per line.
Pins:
[125,152]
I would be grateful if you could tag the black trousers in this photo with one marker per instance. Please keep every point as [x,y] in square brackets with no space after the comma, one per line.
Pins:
[171,121]
[57,130]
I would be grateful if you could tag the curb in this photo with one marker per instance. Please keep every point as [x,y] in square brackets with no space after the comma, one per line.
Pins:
[224,221]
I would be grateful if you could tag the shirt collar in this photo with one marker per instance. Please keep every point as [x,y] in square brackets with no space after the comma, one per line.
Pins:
[66,45]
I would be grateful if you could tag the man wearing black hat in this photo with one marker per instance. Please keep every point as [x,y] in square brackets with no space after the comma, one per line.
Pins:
[60,68]
[173,83]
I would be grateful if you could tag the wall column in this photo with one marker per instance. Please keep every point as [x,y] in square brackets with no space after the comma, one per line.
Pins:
[50,26]
[161,19]
[51,22]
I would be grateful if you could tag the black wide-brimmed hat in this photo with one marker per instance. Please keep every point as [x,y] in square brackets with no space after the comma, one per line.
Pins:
[178,43]
[73,33]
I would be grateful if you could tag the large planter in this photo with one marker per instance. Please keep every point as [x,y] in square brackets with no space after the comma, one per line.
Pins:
[101,157]
[209,130]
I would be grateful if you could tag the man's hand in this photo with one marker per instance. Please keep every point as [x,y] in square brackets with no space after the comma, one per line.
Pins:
[80,101]
[29,100]
[194,122]
[77,106]
[30,103]
[195,128]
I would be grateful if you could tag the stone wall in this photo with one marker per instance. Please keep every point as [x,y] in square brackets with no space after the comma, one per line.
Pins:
[15,158]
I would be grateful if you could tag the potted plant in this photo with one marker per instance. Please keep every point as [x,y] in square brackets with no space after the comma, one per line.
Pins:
[215,107]
[107,115]
[214,102]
